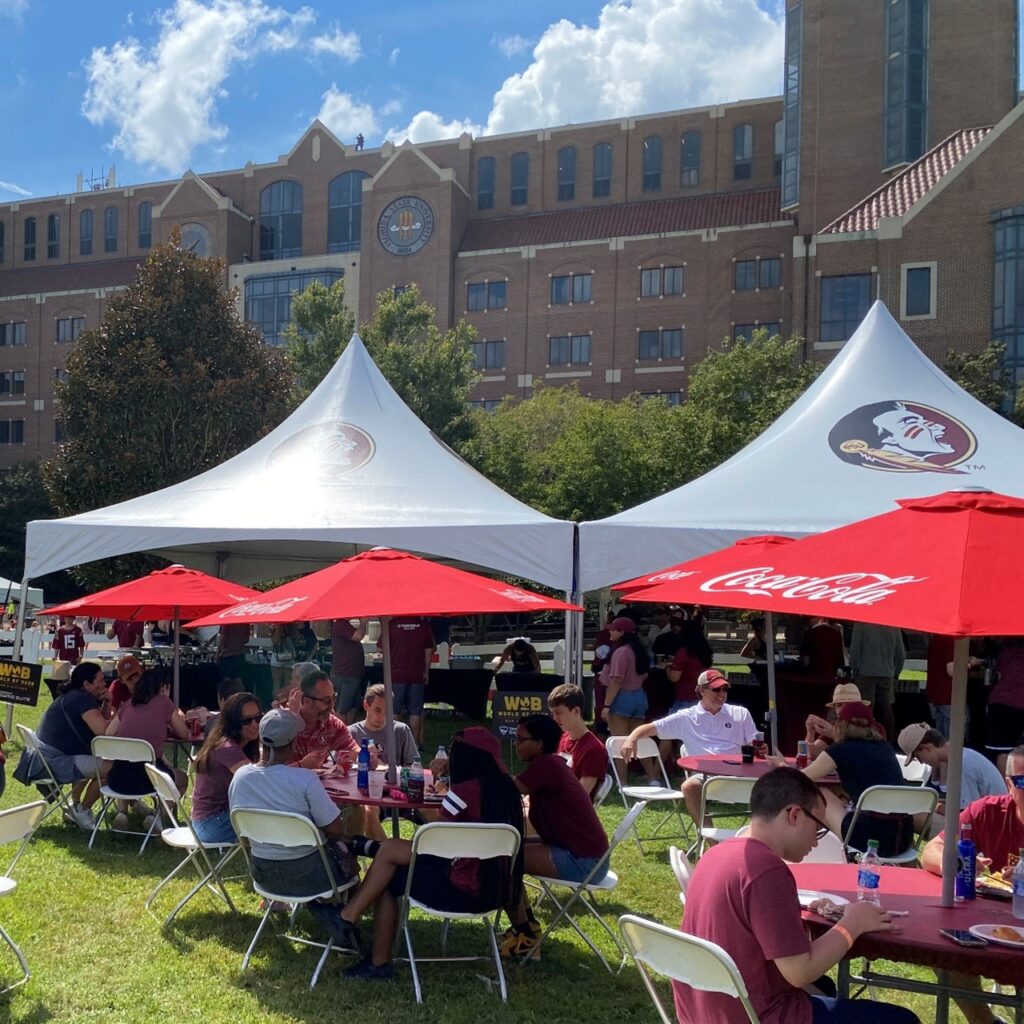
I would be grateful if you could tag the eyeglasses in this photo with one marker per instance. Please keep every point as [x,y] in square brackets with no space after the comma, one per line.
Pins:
[1017,781]
[525,739]
[326,701]
[250,719]
[823,829]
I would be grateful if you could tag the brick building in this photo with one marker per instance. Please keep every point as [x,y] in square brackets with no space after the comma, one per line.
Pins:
[613,253]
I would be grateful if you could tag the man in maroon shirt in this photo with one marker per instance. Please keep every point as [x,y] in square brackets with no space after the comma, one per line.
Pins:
[412,649]
[583,751]
[127,632]
[742,896]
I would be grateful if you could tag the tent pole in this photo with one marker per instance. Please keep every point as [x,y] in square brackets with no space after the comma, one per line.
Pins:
[570,642]
[954,770]
[19,632]
[389,705]
[177,656]
[773,718]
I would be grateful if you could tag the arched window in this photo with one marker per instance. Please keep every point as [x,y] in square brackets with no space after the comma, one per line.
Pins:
[742,152]
[652,163]
[52,236]
[110,229]
[30,238]
[345,212]
[567,172]
[689,160]
[602,169]
[485,183]
[281,221]
[520,179]
[145,225]
[780,146]
[85,233]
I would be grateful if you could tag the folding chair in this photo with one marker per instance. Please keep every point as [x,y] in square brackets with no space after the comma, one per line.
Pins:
[282,828]
[121,748]
[61,791]
[682,869]
[602,789]
[915,772]
[695,962]
[184,838]
[583,892]
[910,800]
[830,850]
[665,794]
[450,840]
[18,824]
[721,789]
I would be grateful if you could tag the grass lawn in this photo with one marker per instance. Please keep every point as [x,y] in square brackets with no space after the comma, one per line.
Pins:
[97,955]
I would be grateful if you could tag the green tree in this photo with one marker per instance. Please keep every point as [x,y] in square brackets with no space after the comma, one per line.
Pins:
[982,374]
[320,328]
[171,383]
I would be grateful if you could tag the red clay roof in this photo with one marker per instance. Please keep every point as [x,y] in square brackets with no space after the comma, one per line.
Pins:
[900,193]
[652,217]
[67,277]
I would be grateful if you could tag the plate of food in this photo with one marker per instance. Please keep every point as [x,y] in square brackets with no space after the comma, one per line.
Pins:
[824,904]
[1004,934]
[995,886]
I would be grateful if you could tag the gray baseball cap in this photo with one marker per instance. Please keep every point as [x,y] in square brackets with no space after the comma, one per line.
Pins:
[279,727]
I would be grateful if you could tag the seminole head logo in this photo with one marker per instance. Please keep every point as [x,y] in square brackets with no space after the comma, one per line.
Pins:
[902,437]
[332,449]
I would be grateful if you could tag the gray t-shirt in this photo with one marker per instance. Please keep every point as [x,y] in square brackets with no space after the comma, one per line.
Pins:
[282,787]
[404,741]
[980,778]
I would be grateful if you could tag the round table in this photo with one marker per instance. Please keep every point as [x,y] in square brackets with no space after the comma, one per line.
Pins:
[342,789]
[732,765]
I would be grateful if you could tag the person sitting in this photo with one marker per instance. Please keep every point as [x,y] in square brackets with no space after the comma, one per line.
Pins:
[710,727]
[570,839]
[374,728]
[65,734]
[323,731]
[821,732]
[584,753]
[232,743]
[129,670]
[522,654]
[481,791]
[743,897]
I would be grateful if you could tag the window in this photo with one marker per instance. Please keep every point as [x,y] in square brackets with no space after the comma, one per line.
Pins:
[60,375]
[906,81]
[12,334]
[85,233]
[689,160]
[656,282]
[344,212]
[12,431]
[652,163]
[520,179]
[668,397]
[780,147]
[571,350]
[486,404]
[791,106]
[745,332]
[69,328]
[571,288]
[742,152]
[52,236]
[602,170]
[917,291]
[110,229]
[1008,289]
[567,172]
[1,241]
[145,225]
[268,299]
[400,289]
[489,355]
[281,221]
[12,382]
[486,295]
[763,272]
[30,238]
[660,344]
[485,183]
[745,275]
[844,301]
[769,274]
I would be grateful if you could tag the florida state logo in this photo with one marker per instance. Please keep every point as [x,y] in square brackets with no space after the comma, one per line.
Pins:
[337,448]
[405,226]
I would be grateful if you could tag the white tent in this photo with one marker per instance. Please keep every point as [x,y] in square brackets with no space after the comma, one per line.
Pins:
[352,467]
[881,422]
[11,591]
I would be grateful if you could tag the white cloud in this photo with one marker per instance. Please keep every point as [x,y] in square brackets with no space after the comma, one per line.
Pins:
[9,186]
[13,8]
[162,98]
[511,46]
[347,117]
[338,44]
[391,107]
[427,126]
[393,56]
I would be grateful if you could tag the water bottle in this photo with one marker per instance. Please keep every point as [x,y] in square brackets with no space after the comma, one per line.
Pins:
[416,783]
[1018,888]
[363,767]
[869,875]
[966,865]
[442,755]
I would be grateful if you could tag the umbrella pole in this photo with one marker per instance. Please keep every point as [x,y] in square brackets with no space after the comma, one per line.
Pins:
[773,720]
[954,771]
[389,706]
[177,656]
[19,632]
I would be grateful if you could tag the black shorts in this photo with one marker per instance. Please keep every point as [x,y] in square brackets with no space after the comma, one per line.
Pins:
[130,778]
[1003,727]
[431,885]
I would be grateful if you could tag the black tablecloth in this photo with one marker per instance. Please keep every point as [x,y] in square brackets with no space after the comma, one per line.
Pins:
[465,689]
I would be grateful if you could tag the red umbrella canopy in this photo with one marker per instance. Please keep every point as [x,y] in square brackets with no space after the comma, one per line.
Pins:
[385,582]
[952,563]
[164,594]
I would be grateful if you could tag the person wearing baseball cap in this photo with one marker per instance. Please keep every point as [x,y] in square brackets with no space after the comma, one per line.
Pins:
[129,671]
[711,726]
[821,732]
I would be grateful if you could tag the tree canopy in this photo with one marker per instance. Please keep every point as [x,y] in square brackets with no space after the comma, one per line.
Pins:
[986,376]
[320,328]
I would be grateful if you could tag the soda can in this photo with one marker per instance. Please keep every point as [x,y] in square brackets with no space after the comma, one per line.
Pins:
[345,760]
[803,754]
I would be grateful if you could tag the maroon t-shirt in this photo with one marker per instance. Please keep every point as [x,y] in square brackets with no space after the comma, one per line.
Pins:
[742,896]
[939,687]
[409,639]
[346,654]
[823,649]
[587,757]
[464,802]
[232,640]
[995,828]
[560,811]
[691,668]
[127,632]
[69,643]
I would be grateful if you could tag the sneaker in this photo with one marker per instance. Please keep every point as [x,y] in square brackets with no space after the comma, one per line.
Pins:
[655,783]
[121,821]
[276,907]
[367,970]
[82,817]
[533,927]
[344,934]
[520,943]
[149,821]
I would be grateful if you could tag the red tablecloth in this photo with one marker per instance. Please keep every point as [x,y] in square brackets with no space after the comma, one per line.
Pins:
[732,765]
[919,941]
[343,790]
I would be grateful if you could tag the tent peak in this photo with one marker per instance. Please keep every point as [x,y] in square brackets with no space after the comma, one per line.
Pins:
[966,499]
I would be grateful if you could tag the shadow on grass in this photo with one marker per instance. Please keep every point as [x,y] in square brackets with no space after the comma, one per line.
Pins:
[37,1013]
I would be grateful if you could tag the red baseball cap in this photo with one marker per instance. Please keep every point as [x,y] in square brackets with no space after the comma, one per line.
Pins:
[712,679]
[483,739]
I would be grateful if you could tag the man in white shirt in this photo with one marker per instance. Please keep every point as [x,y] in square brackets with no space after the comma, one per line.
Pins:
[711,727]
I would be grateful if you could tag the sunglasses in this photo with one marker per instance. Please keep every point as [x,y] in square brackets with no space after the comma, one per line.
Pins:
[823,829]
[250,719]
[1017,781]
[718,689]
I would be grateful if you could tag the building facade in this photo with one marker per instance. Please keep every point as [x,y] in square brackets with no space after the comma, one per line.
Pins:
[610,254]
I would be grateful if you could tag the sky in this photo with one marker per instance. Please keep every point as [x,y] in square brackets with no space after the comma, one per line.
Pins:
[158,88]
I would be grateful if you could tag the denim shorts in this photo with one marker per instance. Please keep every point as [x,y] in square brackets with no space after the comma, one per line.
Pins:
[629,704]
[215,829]
[573,868]
[302,877]
[349,691]
[408,698]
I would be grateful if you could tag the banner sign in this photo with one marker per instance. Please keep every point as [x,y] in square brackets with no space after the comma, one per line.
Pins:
[19,682]
[509,706]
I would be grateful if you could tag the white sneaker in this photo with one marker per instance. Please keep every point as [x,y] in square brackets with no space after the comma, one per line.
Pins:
[121,821]
[82,817]
[655,783]
[148,821]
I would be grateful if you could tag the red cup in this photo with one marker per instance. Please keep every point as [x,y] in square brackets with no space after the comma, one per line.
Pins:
[345,760]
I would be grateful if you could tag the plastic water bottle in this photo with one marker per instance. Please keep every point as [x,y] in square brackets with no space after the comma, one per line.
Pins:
[966,865]
[1018,888]
[442,755]
[416,783]
[363,767]
[869,875]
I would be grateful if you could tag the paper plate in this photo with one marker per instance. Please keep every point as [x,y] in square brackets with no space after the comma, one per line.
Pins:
[808,896]
[985,931]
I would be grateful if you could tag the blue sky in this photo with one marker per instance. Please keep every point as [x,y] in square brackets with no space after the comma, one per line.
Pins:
[159,87]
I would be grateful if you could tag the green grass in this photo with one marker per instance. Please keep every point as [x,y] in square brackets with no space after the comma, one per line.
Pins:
[97,955]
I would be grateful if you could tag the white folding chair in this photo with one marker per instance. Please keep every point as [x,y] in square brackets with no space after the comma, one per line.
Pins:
[121,748]
[583,893]
[915,772]
[666,794]
[282,828]
[184,839]
[830,850]
[18,824]
[60,791]
[450,840]
[910,800]
[722,789]
[602,789]
[695,962]
[682,869]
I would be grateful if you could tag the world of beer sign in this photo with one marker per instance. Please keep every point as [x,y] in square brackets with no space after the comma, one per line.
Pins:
[509,706]
[19,682]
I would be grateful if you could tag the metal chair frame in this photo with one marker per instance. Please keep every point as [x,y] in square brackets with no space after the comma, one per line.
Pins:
[121,748]
[61,790]
[18,824]
[721,789]
[896,800]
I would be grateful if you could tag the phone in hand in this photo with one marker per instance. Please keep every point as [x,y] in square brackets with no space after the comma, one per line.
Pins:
[962,937]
